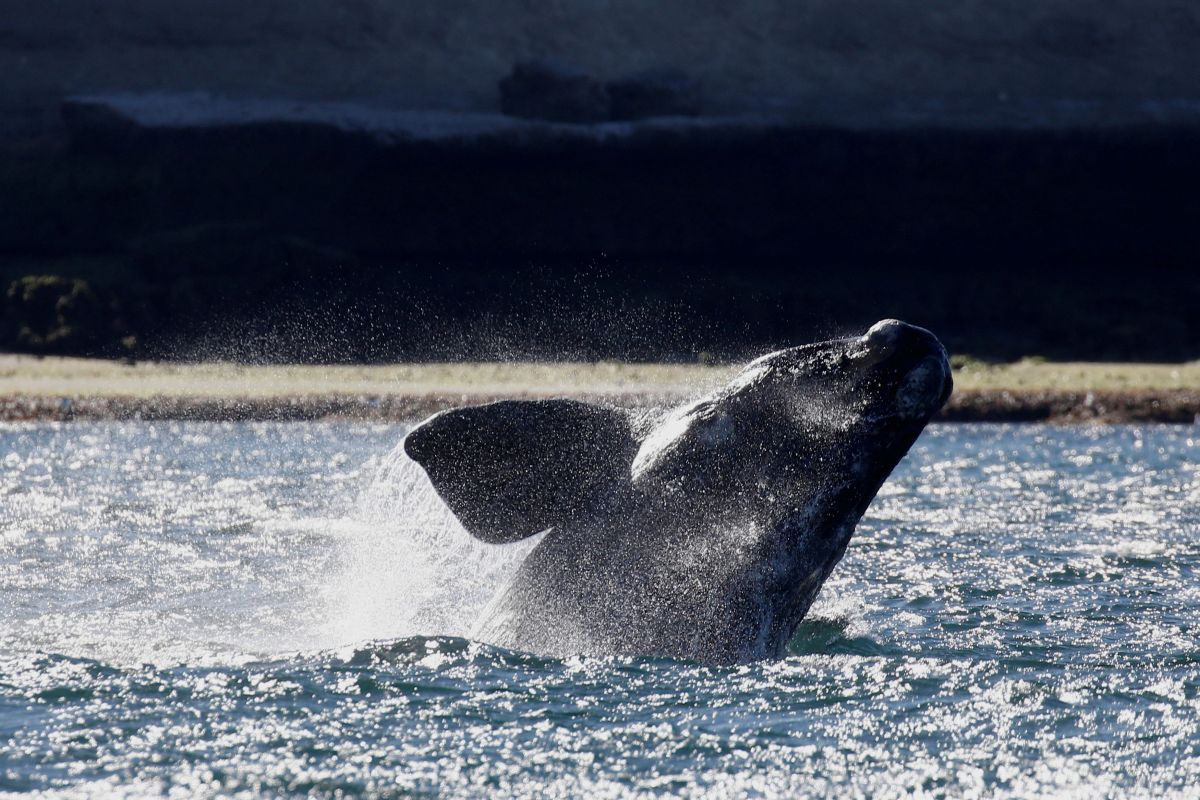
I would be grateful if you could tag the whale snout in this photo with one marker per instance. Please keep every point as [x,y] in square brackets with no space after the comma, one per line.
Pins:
[915,360]
[891,336]
[886,332]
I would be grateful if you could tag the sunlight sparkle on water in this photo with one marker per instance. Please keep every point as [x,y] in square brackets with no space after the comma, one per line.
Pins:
[257,609]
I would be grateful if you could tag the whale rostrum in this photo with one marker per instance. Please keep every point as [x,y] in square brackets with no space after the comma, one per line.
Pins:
[705,534]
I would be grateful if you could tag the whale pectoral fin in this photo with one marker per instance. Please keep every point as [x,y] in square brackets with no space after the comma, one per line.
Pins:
[514,468]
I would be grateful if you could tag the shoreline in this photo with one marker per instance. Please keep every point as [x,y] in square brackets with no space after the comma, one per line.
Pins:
[1174,406]
[62,389]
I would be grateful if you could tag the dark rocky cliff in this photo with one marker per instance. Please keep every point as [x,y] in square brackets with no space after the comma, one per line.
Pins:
[751,56]
[334,181]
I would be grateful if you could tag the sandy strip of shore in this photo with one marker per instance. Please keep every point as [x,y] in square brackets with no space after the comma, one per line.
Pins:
[83,389]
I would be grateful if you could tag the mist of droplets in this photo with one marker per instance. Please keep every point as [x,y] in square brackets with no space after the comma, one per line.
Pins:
[410,568]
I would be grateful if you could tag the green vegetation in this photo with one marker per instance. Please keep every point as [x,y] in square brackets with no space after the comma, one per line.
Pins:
[52,314]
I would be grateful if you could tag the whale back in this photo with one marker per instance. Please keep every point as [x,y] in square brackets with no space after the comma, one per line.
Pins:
[514,468]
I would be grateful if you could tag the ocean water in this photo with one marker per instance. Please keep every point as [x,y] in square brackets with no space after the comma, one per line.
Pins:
[258,610]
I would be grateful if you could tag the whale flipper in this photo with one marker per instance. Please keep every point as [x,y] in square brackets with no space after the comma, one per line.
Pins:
[514,468]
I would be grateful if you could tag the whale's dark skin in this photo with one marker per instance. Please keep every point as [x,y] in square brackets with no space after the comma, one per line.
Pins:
[708,534]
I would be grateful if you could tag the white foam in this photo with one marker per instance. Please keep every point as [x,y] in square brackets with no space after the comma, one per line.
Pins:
[408,566]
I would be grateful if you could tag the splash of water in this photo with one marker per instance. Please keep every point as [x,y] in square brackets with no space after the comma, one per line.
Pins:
[408,565]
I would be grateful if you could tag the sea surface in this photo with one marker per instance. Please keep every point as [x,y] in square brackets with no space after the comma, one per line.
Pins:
[260,610]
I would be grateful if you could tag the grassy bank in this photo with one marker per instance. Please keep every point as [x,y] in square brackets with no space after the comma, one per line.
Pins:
[66,388]
[1074,376]
[77,377]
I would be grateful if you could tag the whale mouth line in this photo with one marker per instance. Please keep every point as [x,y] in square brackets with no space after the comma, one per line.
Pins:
[925,387]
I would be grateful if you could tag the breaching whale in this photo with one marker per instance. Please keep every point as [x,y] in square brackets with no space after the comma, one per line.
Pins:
[703,534]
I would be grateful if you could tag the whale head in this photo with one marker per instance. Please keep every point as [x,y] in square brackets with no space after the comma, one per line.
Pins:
[860,400]
[791,452]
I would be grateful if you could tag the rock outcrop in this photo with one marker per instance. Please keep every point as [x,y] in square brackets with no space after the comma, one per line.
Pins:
[752,58]
[657,93]
[553,91]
